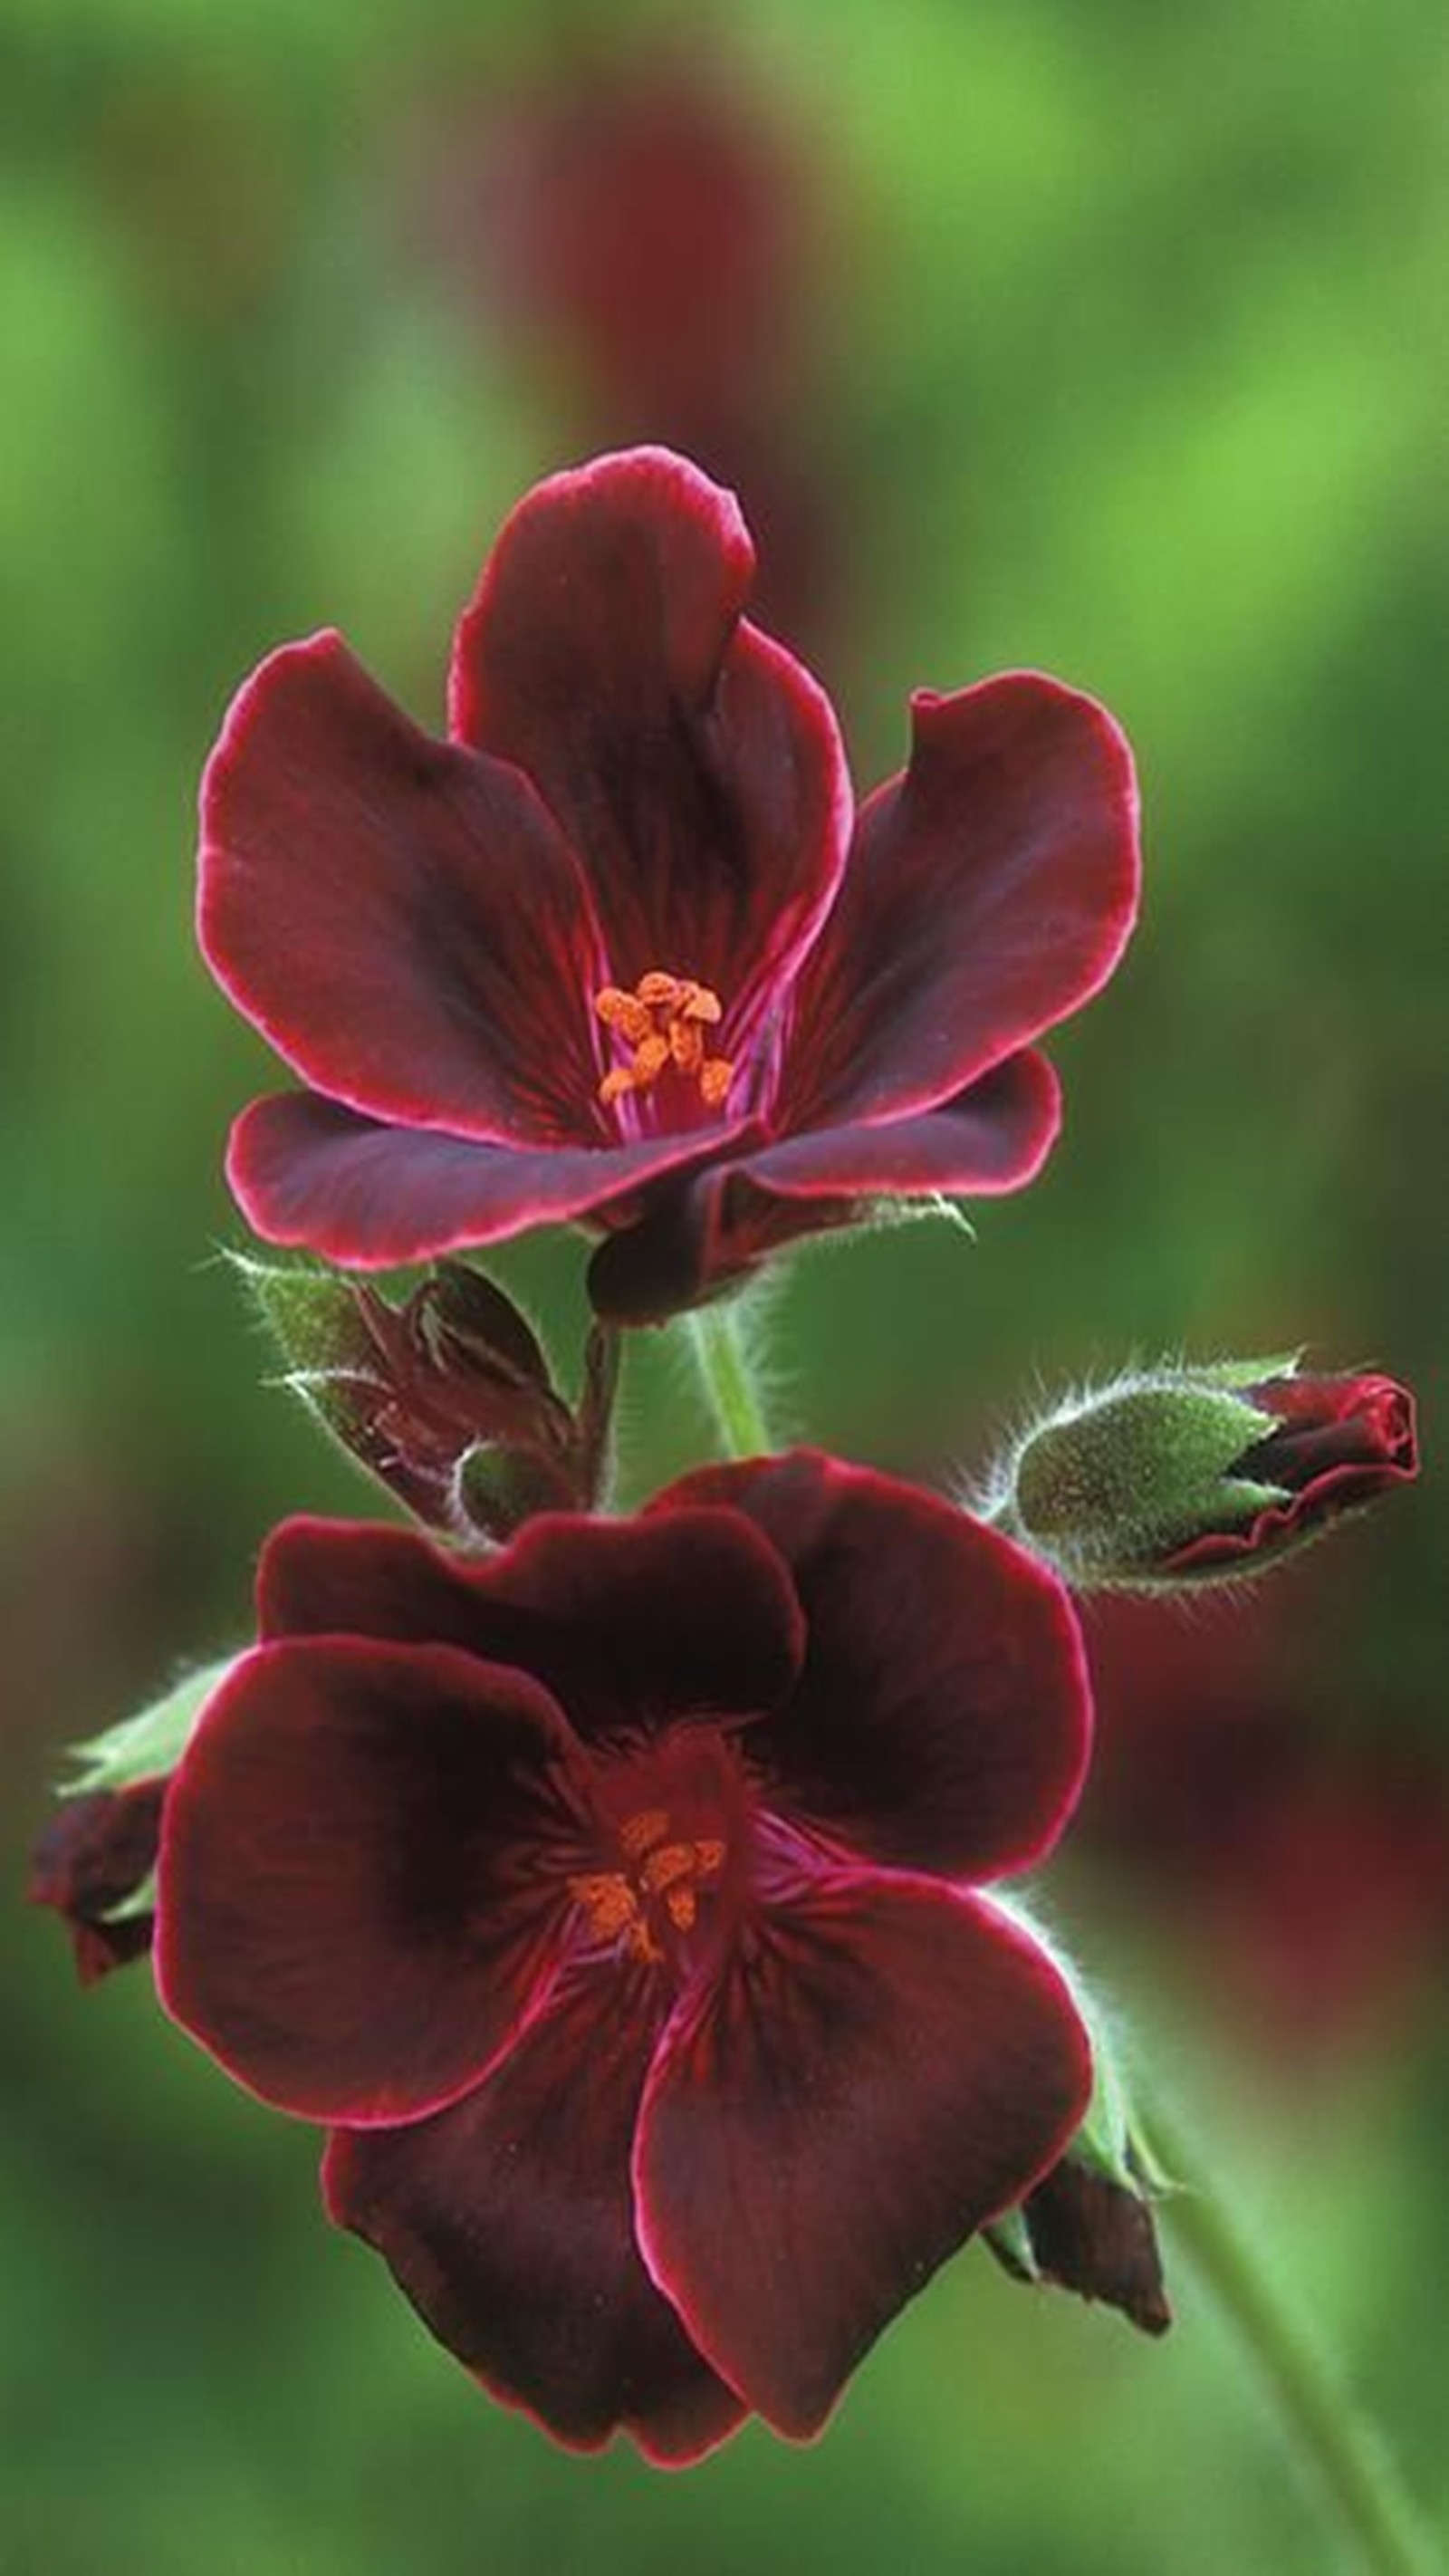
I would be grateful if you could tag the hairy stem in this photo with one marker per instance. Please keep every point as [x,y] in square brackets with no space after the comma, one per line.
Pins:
[728,1381]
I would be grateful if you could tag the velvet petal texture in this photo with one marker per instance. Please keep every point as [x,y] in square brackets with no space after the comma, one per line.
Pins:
[990,891]
[874,2077]
[623,1621]
[943,1718]
[400,917]
[700,1230]
[694,763]
[508,2220]
[308,1171]
[344,1922]
[1340,1443]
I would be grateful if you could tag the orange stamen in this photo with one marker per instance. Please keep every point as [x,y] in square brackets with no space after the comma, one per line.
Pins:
[618,1901]
[643,1831]
[663,1022]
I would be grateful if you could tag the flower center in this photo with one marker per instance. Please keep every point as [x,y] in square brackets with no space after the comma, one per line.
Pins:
[656,1892]
[663,1022]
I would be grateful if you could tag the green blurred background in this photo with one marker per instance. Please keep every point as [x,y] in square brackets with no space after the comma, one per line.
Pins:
[1102,340]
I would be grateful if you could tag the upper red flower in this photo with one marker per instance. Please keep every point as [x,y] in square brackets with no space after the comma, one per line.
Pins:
[611,1898]
[621,950]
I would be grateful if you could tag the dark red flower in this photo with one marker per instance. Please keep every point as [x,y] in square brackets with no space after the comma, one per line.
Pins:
[612,1900]
[620,950]
[95,1855]
[1340,1442]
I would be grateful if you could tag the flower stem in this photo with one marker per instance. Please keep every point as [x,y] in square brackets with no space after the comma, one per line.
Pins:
[1335,2450]
[728,1381]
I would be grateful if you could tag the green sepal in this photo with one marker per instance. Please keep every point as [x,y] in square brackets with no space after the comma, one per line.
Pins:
[149,1745]
[1010,2240]
[1232,1373]
[142,1900]
[311,1315]
[1137,1469]
[1104,2139]
[1112,1484]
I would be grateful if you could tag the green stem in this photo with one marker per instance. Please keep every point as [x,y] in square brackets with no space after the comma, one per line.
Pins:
[1335,2450]
[728,1381]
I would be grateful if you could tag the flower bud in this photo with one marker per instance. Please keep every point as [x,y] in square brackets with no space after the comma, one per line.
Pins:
[1079,2230]
[1087,2225]
[95,1862]
[1174,1477]
[446,1398]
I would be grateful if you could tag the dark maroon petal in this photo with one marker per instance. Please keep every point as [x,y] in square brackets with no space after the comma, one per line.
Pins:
[307,1171]
[95,1852]
[358,1901]
[399,917]
[885,2066]
[943,1718]
[1091,2235]
[623,1621]
[1363,1421]
[1340,1443]
[693,763]
[508,2221]
[990,890]
[696,1233]
[992,1138]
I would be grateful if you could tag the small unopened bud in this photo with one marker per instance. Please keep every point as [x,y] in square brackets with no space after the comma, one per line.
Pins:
[446,1398]
[1080,2230]
[1088,2225]
[1181,1476]
[95,1862]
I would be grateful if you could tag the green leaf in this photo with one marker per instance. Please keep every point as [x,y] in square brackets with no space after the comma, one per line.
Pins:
[149,1745]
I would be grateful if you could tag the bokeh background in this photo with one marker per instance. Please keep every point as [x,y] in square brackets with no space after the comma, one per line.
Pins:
[1109,341]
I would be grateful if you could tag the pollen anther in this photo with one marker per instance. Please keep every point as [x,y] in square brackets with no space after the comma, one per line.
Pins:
[663,1023]
[619,1903]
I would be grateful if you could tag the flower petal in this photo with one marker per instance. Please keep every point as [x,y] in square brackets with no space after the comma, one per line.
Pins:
[885,2067]
[350,1917]
[398,916]
[990,890]
[692,762]
[1338,1444]
[943,1718]
[508,2222]
[621,1620]
[304,1170]
[697,1232]
[96,1852]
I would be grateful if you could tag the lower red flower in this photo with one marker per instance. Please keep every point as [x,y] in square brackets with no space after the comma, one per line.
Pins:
[611,1899]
